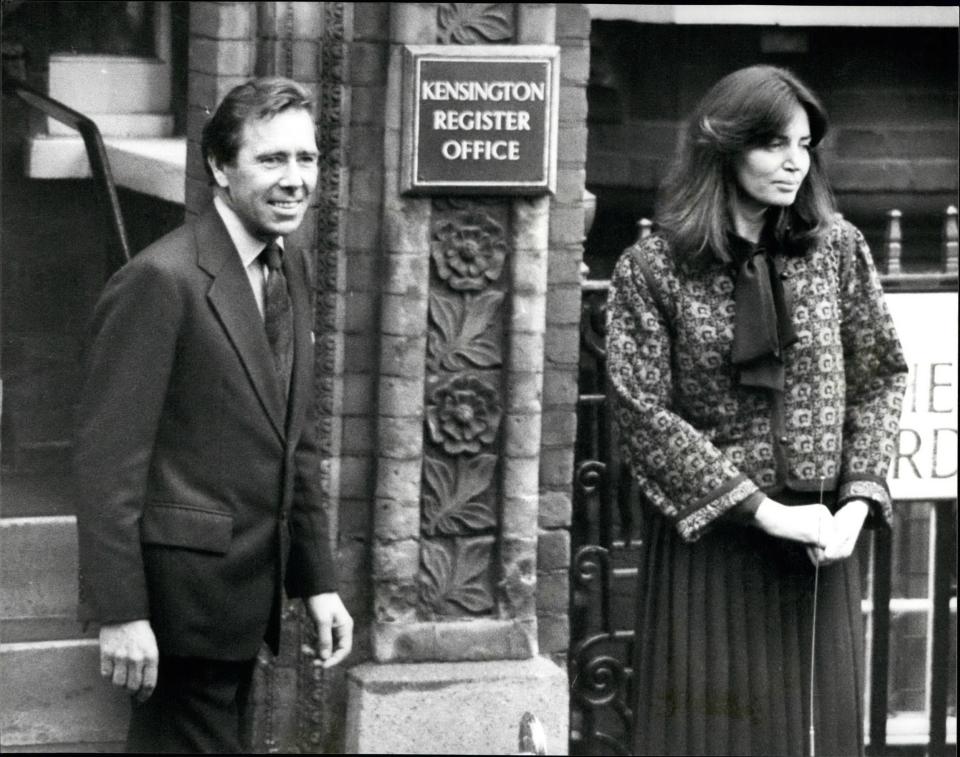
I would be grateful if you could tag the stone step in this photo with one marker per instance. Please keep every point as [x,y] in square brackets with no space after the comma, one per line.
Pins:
[91,747]
[52,696]
[38,578]
[154,166]
[38,492]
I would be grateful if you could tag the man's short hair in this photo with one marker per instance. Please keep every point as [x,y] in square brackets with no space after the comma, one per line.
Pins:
[255,99]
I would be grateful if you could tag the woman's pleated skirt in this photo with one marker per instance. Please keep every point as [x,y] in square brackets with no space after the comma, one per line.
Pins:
[723,644]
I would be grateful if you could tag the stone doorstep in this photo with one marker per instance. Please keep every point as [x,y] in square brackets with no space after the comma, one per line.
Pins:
[52,694]
[454,707]
[38,575]
[155,166]
[105,747]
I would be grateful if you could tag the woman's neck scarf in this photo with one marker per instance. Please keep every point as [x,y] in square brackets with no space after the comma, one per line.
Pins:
[762,327]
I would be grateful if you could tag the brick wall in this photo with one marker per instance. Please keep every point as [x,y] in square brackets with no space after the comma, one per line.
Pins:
[366,78]
[222,55]
[563,336]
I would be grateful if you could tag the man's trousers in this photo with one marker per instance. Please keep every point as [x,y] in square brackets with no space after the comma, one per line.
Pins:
[197,707]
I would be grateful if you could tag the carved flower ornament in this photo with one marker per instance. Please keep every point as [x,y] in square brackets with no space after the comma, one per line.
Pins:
[463,414]
[469,250]
[470,23]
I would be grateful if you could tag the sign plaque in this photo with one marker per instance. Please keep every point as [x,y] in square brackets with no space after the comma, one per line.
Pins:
[480,119]
[925,462]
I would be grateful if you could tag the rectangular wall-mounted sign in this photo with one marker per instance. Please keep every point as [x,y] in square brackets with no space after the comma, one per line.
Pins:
[925,464]
[480,119]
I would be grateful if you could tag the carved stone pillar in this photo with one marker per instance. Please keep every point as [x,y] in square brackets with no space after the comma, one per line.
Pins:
[461,365]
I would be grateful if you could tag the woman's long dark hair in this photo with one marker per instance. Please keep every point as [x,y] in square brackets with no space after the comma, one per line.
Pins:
[745,109]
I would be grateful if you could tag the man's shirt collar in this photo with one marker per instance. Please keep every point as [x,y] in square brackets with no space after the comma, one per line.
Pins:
[247,245]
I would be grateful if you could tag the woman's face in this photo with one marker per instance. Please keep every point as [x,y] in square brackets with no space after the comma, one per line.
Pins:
[772,173]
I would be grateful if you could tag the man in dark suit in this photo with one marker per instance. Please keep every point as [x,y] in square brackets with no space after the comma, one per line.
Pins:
[197,463]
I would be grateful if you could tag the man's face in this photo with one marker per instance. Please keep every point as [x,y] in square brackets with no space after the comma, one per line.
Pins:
[269,183]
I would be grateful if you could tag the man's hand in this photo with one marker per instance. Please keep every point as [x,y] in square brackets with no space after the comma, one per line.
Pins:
[129,657]
[334,627]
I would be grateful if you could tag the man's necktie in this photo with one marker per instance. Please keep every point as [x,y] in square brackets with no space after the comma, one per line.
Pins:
[278,314]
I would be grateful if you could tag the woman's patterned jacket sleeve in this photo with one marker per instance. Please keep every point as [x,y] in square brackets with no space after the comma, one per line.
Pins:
[876,374]
[679,471]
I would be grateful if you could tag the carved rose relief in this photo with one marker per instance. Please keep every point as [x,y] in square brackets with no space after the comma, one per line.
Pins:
[463,414]
[463,407]
[453,579]
[469,250]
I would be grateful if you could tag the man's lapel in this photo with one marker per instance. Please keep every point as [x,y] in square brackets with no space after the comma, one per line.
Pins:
[232,300]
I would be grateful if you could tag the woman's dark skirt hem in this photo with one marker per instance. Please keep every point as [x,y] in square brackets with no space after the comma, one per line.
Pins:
[723,642]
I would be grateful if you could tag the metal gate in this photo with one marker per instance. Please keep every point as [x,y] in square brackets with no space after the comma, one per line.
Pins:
[607,537]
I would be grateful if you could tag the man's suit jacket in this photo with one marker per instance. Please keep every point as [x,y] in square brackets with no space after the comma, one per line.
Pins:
[197,483]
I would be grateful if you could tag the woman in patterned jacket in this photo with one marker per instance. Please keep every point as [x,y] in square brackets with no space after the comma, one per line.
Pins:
[758,382]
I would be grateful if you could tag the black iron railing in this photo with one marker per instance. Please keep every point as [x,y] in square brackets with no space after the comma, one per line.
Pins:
[608,529]
[96,155]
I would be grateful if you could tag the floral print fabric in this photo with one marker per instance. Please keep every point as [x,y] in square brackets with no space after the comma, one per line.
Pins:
[699,444]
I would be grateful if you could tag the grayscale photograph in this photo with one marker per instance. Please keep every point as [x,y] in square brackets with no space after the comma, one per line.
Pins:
[479,378]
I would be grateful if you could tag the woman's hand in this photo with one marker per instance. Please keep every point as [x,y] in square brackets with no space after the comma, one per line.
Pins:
[812,525]
[847,524]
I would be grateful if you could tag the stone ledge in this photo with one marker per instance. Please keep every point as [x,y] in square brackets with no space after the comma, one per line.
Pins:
[124,125]
[454,707]
[472,640]
[154,167]
[109,83]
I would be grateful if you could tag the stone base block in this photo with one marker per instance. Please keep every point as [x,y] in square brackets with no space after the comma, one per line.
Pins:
[454,707]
